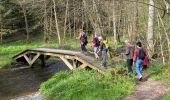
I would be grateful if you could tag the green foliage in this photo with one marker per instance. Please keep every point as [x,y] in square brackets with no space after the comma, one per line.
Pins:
[155,69]
[10,17]
[166,97]
[87,85]
[159,71]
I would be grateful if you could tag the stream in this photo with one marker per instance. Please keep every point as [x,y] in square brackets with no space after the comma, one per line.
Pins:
[16,82]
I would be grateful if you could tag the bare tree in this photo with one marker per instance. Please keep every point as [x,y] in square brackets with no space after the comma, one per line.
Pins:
[56,22]
[150,27]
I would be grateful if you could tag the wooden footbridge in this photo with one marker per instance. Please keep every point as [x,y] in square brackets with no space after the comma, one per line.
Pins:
[73,59]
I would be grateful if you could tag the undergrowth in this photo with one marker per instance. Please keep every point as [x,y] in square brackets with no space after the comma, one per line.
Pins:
[158,71]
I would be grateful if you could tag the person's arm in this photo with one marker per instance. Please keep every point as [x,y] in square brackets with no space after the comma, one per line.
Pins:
[127,51]
[100,48]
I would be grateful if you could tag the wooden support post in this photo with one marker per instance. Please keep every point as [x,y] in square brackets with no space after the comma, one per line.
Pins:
[42,58]
[67,63]
[74,63]
[31,61]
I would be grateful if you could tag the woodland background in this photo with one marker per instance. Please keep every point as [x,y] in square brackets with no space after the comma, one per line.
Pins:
[144,20]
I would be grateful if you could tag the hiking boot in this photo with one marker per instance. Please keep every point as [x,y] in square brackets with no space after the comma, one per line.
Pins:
[140,78]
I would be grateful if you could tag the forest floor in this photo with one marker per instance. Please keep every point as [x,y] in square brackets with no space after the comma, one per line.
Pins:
[149,89]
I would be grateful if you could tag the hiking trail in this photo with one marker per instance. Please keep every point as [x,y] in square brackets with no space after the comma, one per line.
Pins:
[149,89]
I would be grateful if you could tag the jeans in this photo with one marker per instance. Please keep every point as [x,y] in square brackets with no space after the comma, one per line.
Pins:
[95,49]
[104,57]
[83,48]
[139,67]
[129,65]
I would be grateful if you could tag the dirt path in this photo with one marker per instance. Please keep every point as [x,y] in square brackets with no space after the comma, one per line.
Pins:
[149,90]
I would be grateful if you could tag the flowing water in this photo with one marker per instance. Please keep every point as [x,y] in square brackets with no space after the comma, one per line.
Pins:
[18,82]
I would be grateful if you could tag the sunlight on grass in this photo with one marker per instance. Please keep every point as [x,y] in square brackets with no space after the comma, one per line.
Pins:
[87,85]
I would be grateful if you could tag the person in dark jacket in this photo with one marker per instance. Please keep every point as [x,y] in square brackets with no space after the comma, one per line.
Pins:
[83,40]
[129,56]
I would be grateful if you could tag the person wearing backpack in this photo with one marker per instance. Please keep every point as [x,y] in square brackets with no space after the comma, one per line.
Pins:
[103,50]
[95,45]
[129,56]
[83,40]
[106,43]
[139,56]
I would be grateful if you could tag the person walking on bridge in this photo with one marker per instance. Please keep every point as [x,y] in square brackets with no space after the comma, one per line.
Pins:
[103,50]
[95,45]
[83,40]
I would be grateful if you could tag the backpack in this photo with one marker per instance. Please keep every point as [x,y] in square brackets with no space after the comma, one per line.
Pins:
[141,54]
[96,42]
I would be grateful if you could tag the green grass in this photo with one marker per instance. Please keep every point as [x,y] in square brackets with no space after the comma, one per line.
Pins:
[156,70]
[87,85]
[166,97]
[159,71]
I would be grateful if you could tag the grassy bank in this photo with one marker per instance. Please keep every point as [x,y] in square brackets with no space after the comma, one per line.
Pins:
[158,71]
[88,85]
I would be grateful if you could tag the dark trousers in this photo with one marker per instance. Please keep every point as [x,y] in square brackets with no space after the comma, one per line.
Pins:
[83,48]
[129,65]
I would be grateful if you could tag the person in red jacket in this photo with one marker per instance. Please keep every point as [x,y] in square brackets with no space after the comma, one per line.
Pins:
[95,45]
[138,57]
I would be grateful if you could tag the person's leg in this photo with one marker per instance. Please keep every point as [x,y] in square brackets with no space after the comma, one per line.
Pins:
[129,64]
[104,57]
[82,48]
[95,52]
[138,71]
[141,67]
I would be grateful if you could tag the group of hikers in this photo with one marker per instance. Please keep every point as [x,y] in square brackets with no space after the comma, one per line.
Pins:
[101,49]
[138,56]
[100,46]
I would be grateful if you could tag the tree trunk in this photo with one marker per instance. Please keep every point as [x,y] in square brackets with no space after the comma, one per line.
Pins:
[56,22]
[45,23]
[150,27]
[65,21]
[25,18]
[114,23]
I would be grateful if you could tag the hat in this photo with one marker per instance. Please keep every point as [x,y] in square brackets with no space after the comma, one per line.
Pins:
[100,38]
